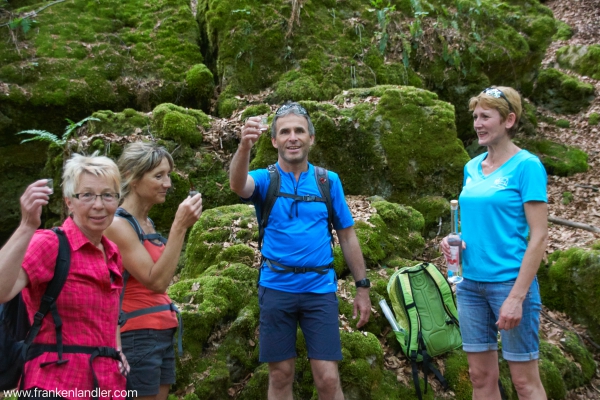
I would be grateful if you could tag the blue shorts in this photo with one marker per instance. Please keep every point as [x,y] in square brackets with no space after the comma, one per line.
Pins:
[280,313]
[478,309]
[151,357]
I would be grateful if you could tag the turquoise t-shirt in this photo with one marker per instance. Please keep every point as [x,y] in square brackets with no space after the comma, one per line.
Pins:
[493,222]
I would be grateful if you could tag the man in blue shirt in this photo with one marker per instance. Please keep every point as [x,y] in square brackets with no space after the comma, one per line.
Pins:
[297,239]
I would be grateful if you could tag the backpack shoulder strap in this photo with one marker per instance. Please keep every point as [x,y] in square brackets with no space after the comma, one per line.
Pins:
[267,205]
[445,291]
[48,302]
[121,212]
[322,178]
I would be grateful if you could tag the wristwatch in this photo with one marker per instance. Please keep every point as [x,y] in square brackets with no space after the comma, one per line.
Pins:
[363,283]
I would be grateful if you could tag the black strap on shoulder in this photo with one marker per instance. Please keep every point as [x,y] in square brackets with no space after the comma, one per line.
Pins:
[121,212]
[48,302]
[267,205]
[325,189]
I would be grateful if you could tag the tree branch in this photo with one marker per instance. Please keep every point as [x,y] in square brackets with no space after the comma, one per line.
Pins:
[573,224]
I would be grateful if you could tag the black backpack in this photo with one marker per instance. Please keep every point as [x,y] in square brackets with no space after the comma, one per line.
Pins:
[266,207]
[123,316]
[16,334]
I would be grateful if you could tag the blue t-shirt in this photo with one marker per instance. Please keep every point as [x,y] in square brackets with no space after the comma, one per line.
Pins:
[493,222]
[297,234]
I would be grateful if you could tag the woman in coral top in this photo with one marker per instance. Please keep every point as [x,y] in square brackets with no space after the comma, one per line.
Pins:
[147,334]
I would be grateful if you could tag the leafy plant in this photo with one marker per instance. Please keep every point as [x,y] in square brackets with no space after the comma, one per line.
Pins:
[383,20]
[45,136]
[24,23]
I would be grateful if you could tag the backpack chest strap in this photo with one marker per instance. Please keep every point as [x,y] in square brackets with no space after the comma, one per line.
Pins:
[282,269]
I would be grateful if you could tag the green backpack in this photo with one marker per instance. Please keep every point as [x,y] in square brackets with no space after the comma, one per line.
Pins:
[425,311]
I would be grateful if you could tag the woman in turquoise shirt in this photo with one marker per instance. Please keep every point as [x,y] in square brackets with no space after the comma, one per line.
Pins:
[504,229]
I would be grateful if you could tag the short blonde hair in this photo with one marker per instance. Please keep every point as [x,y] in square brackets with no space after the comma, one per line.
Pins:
[139,158]
[512,103]
[95,165]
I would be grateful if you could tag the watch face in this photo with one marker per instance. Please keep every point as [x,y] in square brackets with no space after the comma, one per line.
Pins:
[363,283]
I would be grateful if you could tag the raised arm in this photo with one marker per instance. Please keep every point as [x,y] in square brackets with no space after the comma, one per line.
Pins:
[156,276]
[511,311]
[14,278]
[354,259]
[239,180]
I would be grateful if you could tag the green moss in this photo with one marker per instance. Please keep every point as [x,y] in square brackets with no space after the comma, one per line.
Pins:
[564,31]
[238,253]
[457,374]
[552,380]
[570,282]
[561,93]
[594,119]
[583,59]
[432,208]
[567,198]
[563,123]
[178,123]
[200,81]
[215,226]
[558,159]
[254,110]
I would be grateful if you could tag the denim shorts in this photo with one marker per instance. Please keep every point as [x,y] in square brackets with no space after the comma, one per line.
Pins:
[151,357]
[280,314]
[478,310]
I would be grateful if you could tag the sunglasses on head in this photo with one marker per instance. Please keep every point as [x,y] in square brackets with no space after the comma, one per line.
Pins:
[291,106]
[497,93]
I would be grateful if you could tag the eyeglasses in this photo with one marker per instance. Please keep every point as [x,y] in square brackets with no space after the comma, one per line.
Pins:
[89,198]
[291,106]
[497,93]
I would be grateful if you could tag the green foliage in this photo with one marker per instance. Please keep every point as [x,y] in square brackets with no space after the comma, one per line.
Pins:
[594,119]
[583,59]
[564,31]
[558,159]
[567,198]
[45,136]
[24,24]
[570,282]
[561,93]
[383,20]
[563,123]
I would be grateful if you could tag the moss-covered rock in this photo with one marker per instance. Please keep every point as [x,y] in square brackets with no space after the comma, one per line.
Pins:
[201,84]
[180,124]
[558,159]
[583,59]
[234,224]
[405,135]
[561,93]
[82,57]
[312,52]
[570,282]
[594,119]
[563,31]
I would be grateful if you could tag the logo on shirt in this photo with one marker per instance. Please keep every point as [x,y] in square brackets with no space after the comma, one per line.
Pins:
[501,183]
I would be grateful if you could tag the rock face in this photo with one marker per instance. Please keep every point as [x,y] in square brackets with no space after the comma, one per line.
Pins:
[562,93]
[585,60]
[570,282]
[220,311]
[558,159]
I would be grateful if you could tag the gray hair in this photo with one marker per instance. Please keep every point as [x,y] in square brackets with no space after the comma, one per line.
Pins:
[139,158]
[291,108]
[94,165]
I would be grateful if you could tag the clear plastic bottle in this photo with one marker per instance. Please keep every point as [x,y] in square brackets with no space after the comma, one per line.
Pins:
[455,242]
[389,315]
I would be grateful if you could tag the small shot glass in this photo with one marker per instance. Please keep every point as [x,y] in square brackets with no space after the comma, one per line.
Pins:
[264,123]
[50,184]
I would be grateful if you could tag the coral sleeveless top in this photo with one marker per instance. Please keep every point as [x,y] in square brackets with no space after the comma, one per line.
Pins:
[138,296]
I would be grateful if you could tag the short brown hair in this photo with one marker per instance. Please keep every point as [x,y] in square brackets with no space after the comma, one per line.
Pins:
[511,102]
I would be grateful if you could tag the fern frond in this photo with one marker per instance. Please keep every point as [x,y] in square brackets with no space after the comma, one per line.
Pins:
[43,136]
